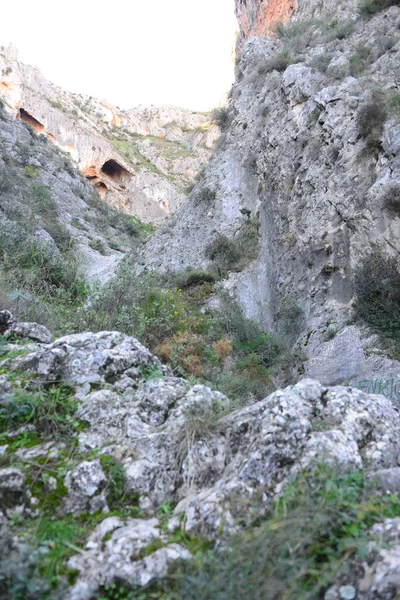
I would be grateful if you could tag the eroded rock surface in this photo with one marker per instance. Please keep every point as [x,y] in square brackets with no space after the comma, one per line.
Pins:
[182,446]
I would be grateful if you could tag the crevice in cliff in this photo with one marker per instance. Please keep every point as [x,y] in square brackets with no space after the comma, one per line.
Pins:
[101,189]
[29,120]
[115,171]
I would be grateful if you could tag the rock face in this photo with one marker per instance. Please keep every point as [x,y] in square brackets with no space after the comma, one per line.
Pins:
[140,160]
[260,17]
[294,159]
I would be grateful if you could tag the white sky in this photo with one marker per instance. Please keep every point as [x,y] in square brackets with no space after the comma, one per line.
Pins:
[128,52]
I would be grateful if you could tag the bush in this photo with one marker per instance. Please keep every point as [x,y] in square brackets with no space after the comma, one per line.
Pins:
[371,119]
[370,7]
[391,198]
[224,254]
[321,61]
[205,195]
[221,117]
[377,286]
[298,549]
[50,411]
[235,254]
[279,62]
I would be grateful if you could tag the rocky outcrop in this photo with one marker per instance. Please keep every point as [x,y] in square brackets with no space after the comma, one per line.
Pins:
[257,17]
[139,160]
[260,17]
[182,445]
[294,160]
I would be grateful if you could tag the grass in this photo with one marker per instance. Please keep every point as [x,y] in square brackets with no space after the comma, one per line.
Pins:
[314,533]
[318,525]
[50,410]
[131,153]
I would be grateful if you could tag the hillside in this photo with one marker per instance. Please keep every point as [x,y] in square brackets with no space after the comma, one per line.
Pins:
[310,157]
[140,160]
[204,405]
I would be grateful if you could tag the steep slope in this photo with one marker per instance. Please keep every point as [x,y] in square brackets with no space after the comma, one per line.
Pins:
[141,160]
[56,234]
[311,154]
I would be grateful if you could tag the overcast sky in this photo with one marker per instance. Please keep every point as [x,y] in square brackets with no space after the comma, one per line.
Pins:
[129,52]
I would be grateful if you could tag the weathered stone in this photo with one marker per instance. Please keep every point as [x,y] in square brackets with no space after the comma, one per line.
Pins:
[32,331]
[120,555]
[6,320]
[12,488]
[85,486]
[86,358]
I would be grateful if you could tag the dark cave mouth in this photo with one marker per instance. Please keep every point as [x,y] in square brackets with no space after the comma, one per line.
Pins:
[115,171]
[36,125]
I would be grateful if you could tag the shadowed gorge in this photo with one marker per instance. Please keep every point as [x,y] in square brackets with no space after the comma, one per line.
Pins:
[200,323]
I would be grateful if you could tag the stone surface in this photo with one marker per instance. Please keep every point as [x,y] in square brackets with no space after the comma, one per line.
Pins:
[291,158]
[12,488]
[85,359]
[120,556]
[32,331]
[85,486]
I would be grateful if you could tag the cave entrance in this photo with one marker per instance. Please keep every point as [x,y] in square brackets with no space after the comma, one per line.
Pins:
[29,120]
[102,189]
[115,171]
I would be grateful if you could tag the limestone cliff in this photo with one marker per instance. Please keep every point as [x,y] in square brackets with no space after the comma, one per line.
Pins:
[140,160]
[260,17]
[296,159]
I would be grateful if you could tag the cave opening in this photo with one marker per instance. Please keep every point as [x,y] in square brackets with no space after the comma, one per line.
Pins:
[36,125]
[101,188]
[115,171]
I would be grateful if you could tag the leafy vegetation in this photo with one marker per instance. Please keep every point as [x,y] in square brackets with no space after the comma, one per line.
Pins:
[377,285]
[50,410]
[370,7]
[229,254]
[219,347]
[371,119]
[304,543]
[319,523]
[221,116]
[391,198]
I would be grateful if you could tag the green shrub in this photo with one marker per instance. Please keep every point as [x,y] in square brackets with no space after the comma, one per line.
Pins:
[321,61]
[279,62]
[221,117]
[361,59]
[116,489]
[50,411]
[235,254]
[193,277]
[298,549]
[205,195]
[377,286]
[370,7]
[99,246]
[31,171]
[38,269]
[371,119]
[224,254]
[391,198]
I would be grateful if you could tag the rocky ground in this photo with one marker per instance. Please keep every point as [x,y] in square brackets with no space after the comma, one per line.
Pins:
[174,445]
